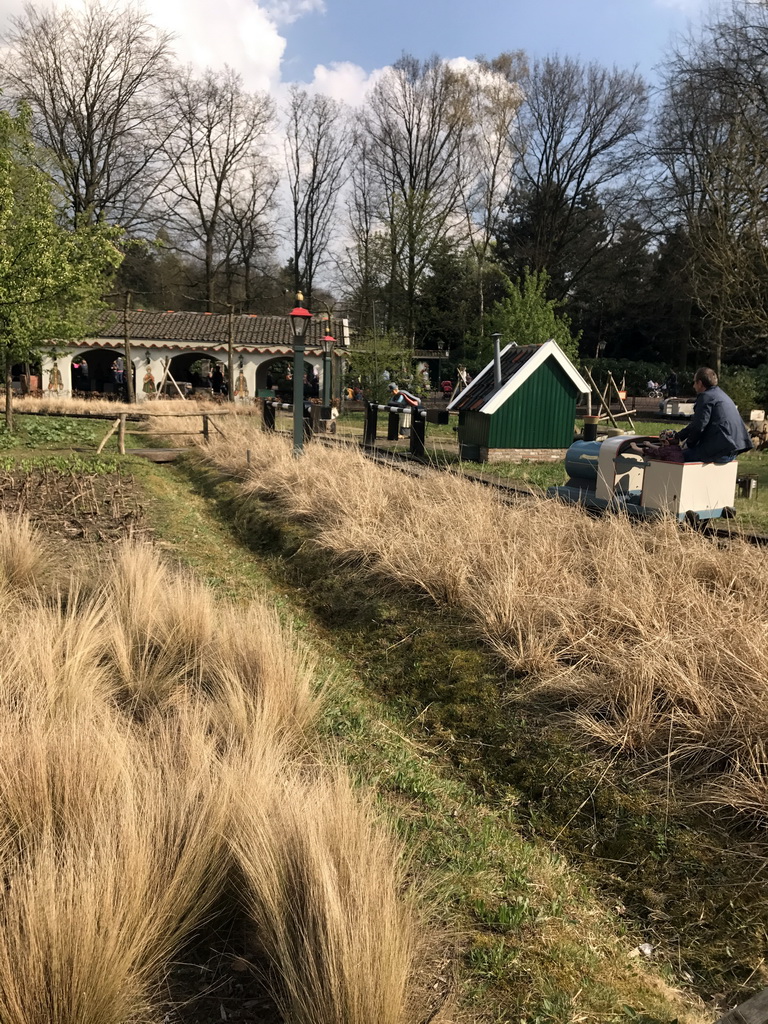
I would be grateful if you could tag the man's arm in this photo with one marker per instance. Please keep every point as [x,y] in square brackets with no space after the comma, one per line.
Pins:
[701,415]
[412,400]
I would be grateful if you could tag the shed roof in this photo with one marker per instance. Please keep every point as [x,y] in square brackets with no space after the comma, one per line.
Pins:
[213,328]
[518,363]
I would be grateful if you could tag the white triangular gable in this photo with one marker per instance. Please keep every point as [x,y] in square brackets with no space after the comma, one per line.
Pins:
[529,367]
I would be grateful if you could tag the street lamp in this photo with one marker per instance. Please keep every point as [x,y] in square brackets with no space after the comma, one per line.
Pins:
[328,342]
[300,318]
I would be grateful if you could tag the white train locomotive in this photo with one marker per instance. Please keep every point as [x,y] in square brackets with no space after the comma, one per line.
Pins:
[609,475]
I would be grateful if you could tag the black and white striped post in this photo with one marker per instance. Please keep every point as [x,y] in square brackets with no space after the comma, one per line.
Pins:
[419,420]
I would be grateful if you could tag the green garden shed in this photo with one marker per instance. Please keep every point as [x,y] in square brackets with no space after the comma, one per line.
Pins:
[521,405]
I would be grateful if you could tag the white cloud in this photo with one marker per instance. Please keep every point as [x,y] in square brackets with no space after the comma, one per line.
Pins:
[343,81]
[239,33]
[286,11]
[211,33]
[246,35]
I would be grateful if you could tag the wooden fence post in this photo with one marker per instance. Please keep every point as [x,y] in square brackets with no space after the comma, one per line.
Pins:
[107,436]
[121,435]
[754,1011]
[206,438]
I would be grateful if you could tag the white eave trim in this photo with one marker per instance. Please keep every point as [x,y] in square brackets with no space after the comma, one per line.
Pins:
[549,348]
[479,377]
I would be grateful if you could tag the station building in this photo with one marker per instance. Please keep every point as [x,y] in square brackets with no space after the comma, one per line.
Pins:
[165,346]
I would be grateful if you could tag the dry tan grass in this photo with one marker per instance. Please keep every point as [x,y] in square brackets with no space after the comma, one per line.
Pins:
[139,719]
[654,640]
[116,855]
[169,642]
[324,886]
[25,555]
[104,407]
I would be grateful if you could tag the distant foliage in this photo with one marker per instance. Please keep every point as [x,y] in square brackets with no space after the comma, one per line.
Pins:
[747,387]
[528,317]
[635,374]
[376,359]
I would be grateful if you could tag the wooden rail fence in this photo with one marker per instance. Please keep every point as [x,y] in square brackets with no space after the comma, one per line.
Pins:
[121,426]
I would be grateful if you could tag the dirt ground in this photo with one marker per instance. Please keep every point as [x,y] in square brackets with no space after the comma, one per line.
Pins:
[215,983]
[79,506]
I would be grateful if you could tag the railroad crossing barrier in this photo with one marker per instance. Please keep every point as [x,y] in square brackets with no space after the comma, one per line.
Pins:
[313,415]
[418,424]
[398,419]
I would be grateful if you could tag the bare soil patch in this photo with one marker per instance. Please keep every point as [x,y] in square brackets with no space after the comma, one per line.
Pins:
[90,507]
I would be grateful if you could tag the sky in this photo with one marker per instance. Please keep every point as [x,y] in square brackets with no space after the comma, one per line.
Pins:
[339,46]
[336,46]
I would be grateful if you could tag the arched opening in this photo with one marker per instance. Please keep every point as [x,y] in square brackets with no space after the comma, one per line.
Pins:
[277,375]
[198,371]
[101,370]
[81,372]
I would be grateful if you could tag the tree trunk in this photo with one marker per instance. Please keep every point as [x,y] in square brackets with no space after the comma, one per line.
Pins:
[684,338]
[481,290]
[717,347]
[230,356]
[8,391]
[209,285]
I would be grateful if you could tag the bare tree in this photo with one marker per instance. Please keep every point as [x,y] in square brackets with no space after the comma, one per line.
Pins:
[416,121]
[316,157]
[92,79]
[712,146]
[578,145]
[221,135]
[361,266]
[247,229]
[494,96]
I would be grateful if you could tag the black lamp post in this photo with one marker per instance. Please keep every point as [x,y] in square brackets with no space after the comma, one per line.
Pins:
[328,342]
[300,318]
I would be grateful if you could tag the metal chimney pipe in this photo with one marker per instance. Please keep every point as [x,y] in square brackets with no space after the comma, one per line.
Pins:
[496,359]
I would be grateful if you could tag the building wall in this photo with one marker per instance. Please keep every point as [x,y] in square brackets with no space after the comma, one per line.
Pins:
[473,434]
[540,414]
[57,373]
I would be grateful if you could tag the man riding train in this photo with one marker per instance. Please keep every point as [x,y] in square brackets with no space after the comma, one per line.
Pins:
[716,432]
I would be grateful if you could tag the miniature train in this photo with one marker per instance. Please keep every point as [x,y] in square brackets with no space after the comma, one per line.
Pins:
[607,475]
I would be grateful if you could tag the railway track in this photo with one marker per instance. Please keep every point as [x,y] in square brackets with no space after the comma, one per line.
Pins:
[406,463]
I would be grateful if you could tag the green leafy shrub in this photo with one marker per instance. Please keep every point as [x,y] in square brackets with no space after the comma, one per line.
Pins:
[526,316]
[742,384]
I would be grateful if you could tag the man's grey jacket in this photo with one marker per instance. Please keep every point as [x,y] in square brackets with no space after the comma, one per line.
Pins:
[717,431]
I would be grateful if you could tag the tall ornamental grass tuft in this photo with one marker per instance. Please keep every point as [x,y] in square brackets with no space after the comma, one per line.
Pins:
[324,883]
[652,639]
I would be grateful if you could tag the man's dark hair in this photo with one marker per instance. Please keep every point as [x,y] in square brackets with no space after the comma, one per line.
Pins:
[706,376]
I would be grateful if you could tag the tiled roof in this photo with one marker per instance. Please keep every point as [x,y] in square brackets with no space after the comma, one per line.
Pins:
[483,386]
[212,328]
[518,363]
